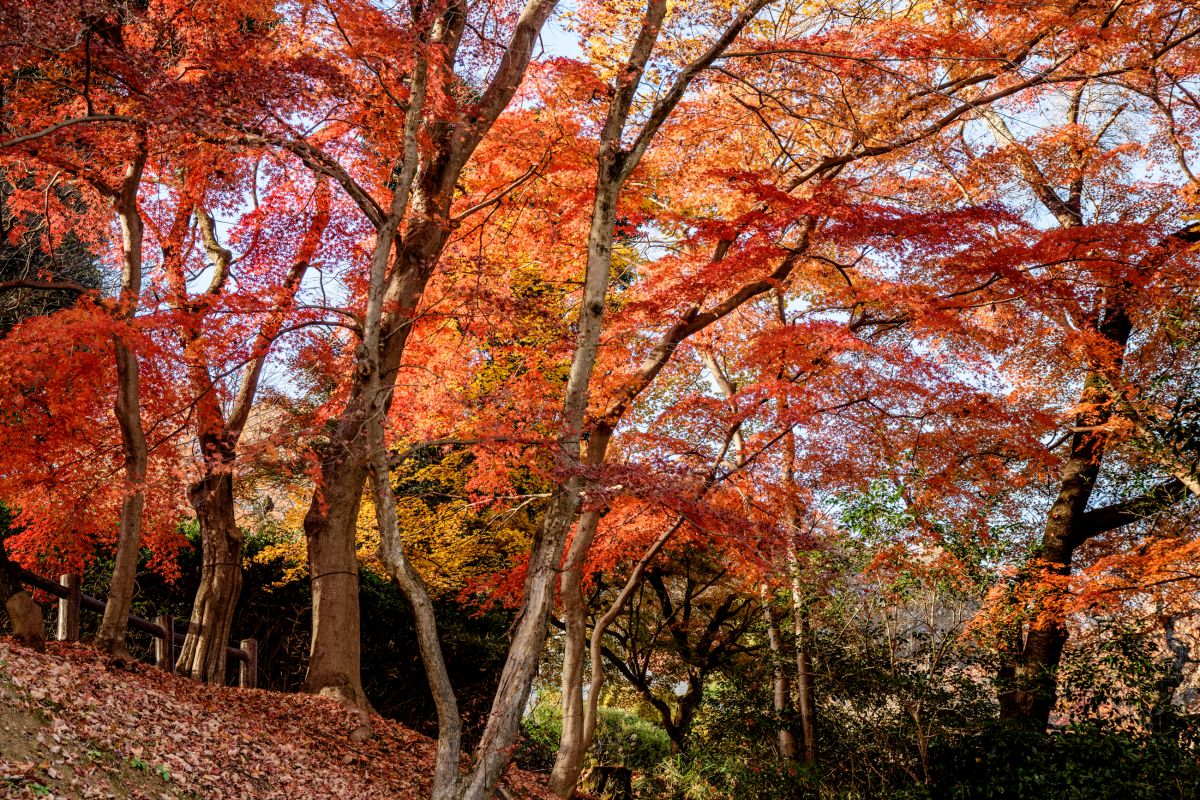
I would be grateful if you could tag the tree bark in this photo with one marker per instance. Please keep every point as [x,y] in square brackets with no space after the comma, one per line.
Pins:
[113,628]
[780,690]
[212,495]
[614,165]
[208,633]
[568,762]
[806,703]
[331,522]
[1033,689]
[547,550]
[329,527]
[446,777]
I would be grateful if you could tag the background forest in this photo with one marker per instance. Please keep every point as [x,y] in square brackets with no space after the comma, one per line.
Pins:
[679,398]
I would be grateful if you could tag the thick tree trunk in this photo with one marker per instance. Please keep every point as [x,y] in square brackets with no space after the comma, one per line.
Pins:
[331,524]
[209,630]
[329,528]
[1028,679]
[677,722]
[212,496]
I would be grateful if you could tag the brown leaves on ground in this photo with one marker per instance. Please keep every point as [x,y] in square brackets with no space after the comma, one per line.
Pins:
[70,726]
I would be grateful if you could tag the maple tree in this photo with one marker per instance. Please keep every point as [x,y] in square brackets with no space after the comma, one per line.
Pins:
[645,325]
[133,48]
[886,139]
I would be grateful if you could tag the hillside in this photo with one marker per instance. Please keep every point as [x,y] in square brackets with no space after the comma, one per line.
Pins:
[72,727]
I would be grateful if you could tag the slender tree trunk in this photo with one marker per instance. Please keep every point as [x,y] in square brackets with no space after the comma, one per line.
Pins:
[806,703]
[614,164]
[494,750]
[208,634]
[111,637]
[568,763]
[779,683]
[492,755]
[579,726]
[446,778]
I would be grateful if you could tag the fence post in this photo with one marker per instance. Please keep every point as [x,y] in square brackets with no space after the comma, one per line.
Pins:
[68,609]
[248,668]
[164,648]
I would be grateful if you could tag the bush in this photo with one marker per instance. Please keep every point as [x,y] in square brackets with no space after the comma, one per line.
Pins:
[1085,762]
[622,739]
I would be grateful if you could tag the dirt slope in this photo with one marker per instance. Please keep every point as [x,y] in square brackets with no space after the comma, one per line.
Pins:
[72,727]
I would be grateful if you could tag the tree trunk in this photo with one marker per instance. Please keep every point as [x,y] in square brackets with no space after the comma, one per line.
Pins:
[331,524]
[212,497]
[111,637]
[546,553]
[806,701]
[568,762]
[329,528]
[679,724]
[805,694]
[779,682]
[1032,691]
[804,688]
[209,630]
[446,777]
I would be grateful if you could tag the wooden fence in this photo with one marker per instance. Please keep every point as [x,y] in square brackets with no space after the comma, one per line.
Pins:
[71,600]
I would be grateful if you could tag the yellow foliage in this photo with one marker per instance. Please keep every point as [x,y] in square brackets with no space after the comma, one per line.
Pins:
[450,538]
[291,547]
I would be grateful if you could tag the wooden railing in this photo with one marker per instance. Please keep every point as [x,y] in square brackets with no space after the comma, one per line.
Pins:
[71,600]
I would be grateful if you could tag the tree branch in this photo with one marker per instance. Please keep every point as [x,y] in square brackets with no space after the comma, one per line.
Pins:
[1117,515]
[49,286]
[64,124]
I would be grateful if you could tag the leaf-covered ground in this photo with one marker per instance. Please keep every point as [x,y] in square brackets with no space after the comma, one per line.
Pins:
[70,726]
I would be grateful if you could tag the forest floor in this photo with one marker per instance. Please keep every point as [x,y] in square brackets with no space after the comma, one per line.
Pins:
[73,726]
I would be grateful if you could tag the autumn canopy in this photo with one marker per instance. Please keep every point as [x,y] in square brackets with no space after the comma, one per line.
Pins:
[811,390]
